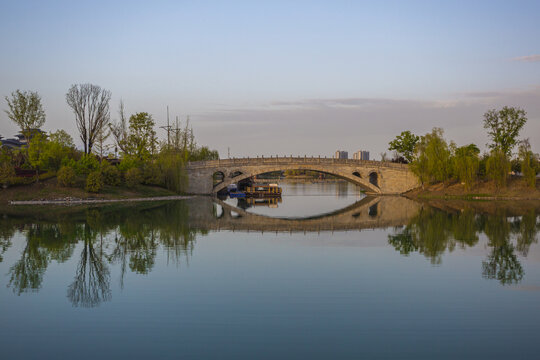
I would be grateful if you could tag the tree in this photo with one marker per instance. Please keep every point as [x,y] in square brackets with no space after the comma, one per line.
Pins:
[527,163]
[466,164]
[404,144]
[26,111]
[101,147]
[62,138]
[498,167]
[503,127]
[90,103]
[119,129]
[142,140]
[37,153]
[432,160]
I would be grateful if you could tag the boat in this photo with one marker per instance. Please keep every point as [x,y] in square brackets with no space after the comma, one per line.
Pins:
[263,190]
[236,194]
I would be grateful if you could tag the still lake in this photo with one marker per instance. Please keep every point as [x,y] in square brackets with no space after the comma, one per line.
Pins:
[324,273]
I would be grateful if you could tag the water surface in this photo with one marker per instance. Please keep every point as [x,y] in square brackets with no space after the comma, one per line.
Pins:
[329,273]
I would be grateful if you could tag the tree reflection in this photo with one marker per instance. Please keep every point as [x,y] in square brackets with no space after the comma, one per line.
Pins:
[44,242]
[129,236]
[432,232]
[528,232]
[91,285]
[502,264]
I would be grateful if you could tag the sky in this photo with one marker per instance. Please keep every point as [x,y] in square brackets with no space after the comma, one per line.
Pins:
[282,77]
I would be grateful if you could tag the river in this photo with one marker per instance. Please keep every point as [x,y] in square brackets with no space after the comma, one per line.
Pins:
[326,272]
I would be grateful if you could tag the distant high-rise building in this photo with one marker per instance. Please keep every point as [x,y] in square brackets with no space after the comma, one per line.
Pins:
[361,155]
[340,154]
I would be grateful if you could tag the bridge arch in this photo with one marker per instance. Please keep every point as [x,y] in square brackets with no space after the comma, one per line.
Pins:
[353,177]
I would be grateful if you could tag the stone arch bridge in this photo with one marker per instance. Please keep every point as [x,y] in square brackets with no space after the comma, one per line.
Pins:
[375,177]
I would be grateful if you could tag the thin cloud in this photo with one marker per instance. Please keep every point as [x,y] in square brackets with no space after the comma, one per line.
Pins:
[528,58]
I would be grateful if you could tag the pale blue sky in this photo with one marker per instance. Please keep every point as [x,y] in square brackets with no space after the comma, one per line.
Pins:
[285,77]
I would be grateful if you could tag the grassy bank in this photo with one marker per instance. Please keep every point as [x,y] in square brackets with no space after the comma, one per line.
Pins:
[50,190]
[481,191]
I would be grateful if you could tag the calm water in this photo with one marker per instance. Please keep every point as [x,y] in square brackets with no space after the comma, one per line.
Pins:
[328,273]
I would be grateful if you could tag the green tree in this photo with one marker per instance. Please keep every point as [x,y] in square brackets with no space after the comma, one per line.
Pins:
[503,127]
[466,164]
[432,162]
[404,144]
[527,158]
[37,152]
[62,138]
[26,111]
[142,142]
[7,169]
[498,167]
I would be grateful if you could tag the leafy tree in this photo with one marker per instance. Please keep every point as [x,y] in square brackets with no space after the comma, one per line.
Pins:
[171,165]
[466,164]
[498,167]
[59,148]
[433,158]
[7,170]
[62,138]
[503,127]
[142,142]
[37,152]
[404,144]
[527,163]
[90,103]
[26,111]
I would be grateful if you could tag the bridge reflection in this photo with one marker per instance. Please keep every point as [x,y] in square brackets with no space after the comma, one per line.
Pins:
[368,213]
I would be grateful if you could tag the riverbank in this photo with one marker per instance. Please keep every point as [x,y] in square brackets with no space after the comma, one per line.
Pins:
[481,191]
[49,191]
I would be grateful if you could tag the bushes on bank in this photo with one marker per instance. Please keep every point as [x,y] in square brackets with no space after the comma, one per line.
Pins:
[111,175]
[133,177]
[94,182]
[66,176]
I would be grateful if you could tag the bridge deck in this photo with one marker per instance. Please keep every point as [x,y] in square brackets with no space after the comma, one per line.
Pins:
[290,160]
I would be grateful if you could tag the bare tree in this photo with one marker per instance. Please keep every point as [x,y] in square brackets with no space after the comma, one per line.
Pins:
[119,129]
[26,111]
[90,103]
[101,146]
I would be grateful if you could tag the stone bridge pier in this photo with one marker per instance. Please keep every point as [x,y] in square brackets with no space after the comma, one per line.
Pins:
[375,177]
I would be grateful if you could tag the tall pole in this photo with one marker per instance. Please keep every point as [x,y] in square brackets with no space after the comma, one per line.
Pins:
[168,129]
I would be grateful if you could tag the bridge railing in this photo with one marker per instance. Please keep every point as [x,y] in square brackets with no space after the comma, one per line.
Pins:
[286,160]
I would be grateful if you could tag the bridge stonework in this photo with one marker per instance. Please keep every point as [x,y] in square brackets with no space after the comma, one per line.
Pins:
[374,176]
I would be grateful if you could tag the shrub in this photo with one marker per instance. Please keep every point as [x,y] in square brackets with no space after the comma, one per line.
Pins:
[151,174]
[111,175]
[498,167]
[87,164]
[171,166]
[94,182]
[133,177]
[7,172]
[127,163]
[66,176]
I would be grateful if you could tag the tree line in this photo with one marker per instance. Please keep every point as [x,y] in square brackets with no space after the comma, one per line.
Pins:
[434,160]
[143,157]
